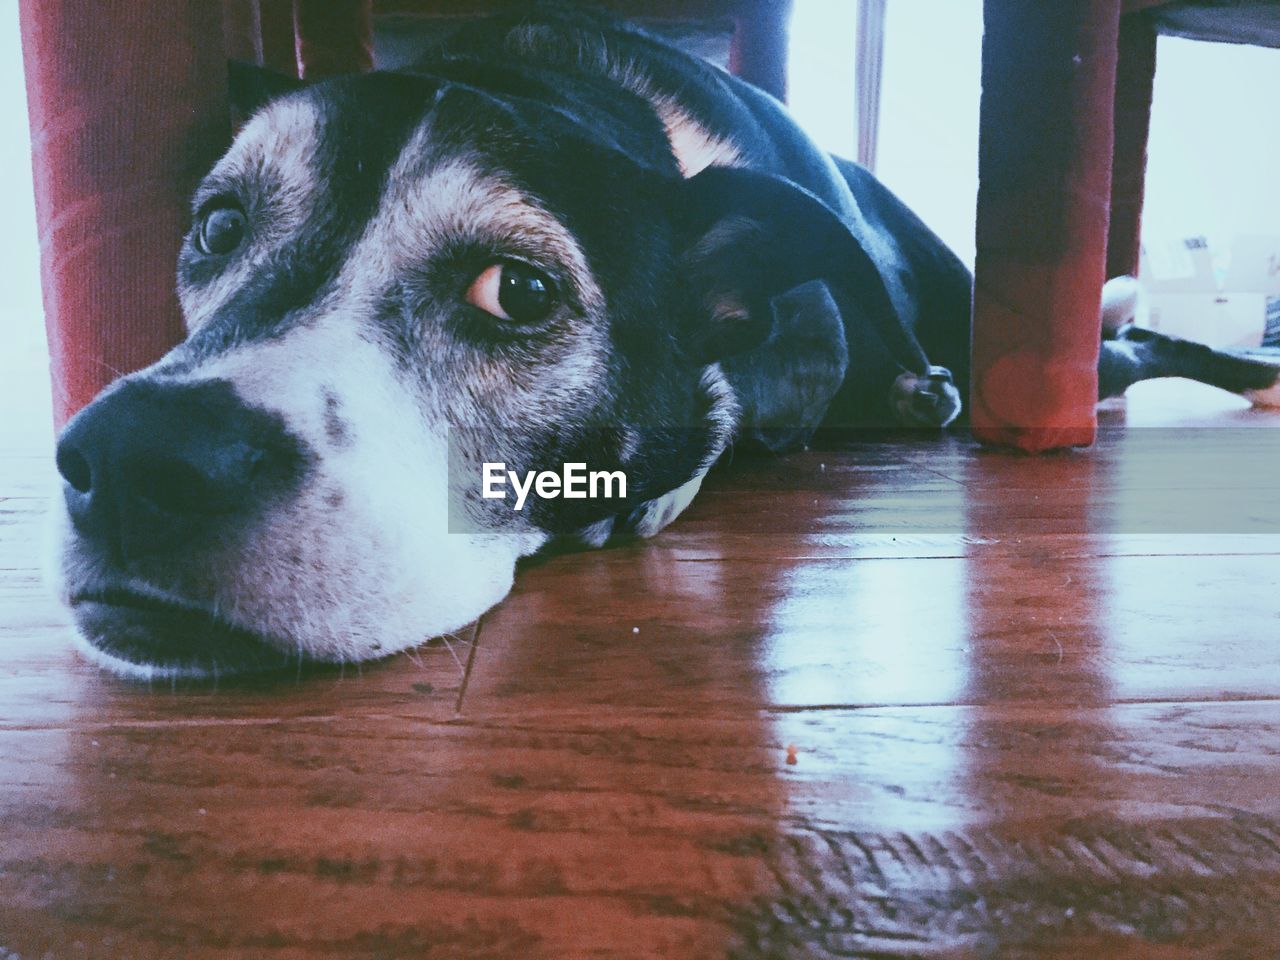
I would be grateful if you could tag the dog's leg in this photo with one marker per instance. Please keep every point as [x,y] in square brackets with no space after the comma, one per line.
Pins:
[1138,354]
[784,386]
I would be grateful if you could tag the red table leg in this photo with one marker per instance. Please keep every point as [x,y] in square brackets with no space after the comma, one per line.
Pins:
[279,43]
[128,108]
[1043,198]
[242,30]
[1135,79]
[334,37]
[758,52]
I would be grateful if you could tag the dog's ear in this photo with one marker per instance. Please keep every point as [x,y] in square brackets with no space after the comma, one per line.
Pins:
[250,86]
[751,237]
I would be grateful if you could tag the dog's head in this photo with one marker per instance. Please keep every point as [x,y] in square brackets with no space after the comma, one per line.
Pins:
[389,282]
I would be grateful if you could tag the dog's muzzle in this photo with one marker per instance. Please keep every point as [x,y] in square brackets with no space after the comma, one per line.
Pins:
[157,477]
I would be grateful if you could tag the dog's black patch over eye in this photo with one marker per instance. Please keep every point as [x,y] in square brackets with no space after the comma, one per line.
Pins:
[221,230]
[514,291]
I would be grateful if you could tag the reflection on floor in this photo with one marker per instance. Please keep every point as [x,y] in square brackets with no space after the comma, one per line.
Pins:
[1034,705]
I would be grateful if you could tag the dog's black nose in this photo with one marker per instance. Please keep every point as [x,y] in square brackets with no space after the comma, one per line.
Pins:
[150,466]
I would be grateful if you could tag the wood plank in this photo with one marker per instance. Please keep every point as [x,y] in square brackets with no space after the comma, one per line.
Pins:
[897,831]
[1014,736]
[1019,623]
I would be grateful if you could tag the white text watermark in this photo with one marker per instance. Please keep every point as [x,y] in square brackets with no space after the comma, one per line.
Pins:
[573,482]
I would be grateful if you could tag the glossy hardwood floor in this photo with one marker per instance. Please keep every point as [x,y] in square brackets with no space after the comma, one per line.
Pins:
[881,701]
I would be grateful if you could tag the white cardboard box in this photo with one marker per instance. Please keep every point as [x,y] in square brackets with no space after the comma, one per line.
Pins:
[1185,299]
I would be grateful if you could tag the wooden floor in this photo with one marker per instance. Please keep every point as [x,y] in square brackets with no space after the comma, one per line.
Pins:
[1033,706]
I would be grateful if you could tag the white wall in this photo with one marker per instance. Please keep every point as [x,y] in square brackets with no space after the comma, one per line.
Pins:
[928,149]
[19,253]
[26,419]
[1215,130]
[822,76]
[1213,163]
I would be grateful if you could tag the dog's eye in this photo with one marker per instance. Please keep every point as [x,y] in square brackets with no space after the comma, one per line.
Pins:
[513,291]
[221,230]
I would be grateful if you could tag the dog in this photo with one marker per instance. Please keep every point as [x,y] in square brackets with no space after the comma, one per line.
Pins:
[558,242]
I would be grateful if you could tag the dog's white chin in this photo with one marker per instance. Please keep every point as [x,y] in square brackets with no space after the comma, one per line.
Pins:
[198,645]
[263,620]
[146,672]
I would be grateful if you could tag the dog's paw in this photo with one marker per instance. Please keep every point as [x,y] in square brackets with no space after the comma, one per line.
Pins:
[653,515]
[928,401]
[1121,303]
[1266,397]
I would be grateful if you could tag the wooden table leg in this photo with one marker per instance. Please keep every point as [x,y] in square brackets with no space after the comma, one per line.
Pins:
[128,107]
[1044,193]
[279,42]
[759,49]
[242,30]
[334,37]
[1135,79]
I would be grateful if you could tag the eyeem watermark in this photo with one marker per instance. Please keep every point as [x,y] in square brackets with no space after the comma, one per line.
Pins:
[574,482]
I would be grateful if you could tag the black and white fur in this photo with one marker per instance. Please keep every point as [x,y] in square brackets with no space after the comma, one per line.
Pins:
[292,482]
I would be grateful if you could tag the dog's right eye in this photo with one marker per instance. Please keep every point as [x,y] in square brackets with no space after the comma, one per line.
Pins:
[515,291]
[221,230]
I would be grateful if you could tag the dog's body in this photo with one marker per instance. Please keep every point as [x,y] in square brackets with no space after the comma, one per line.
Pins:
[561,241]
